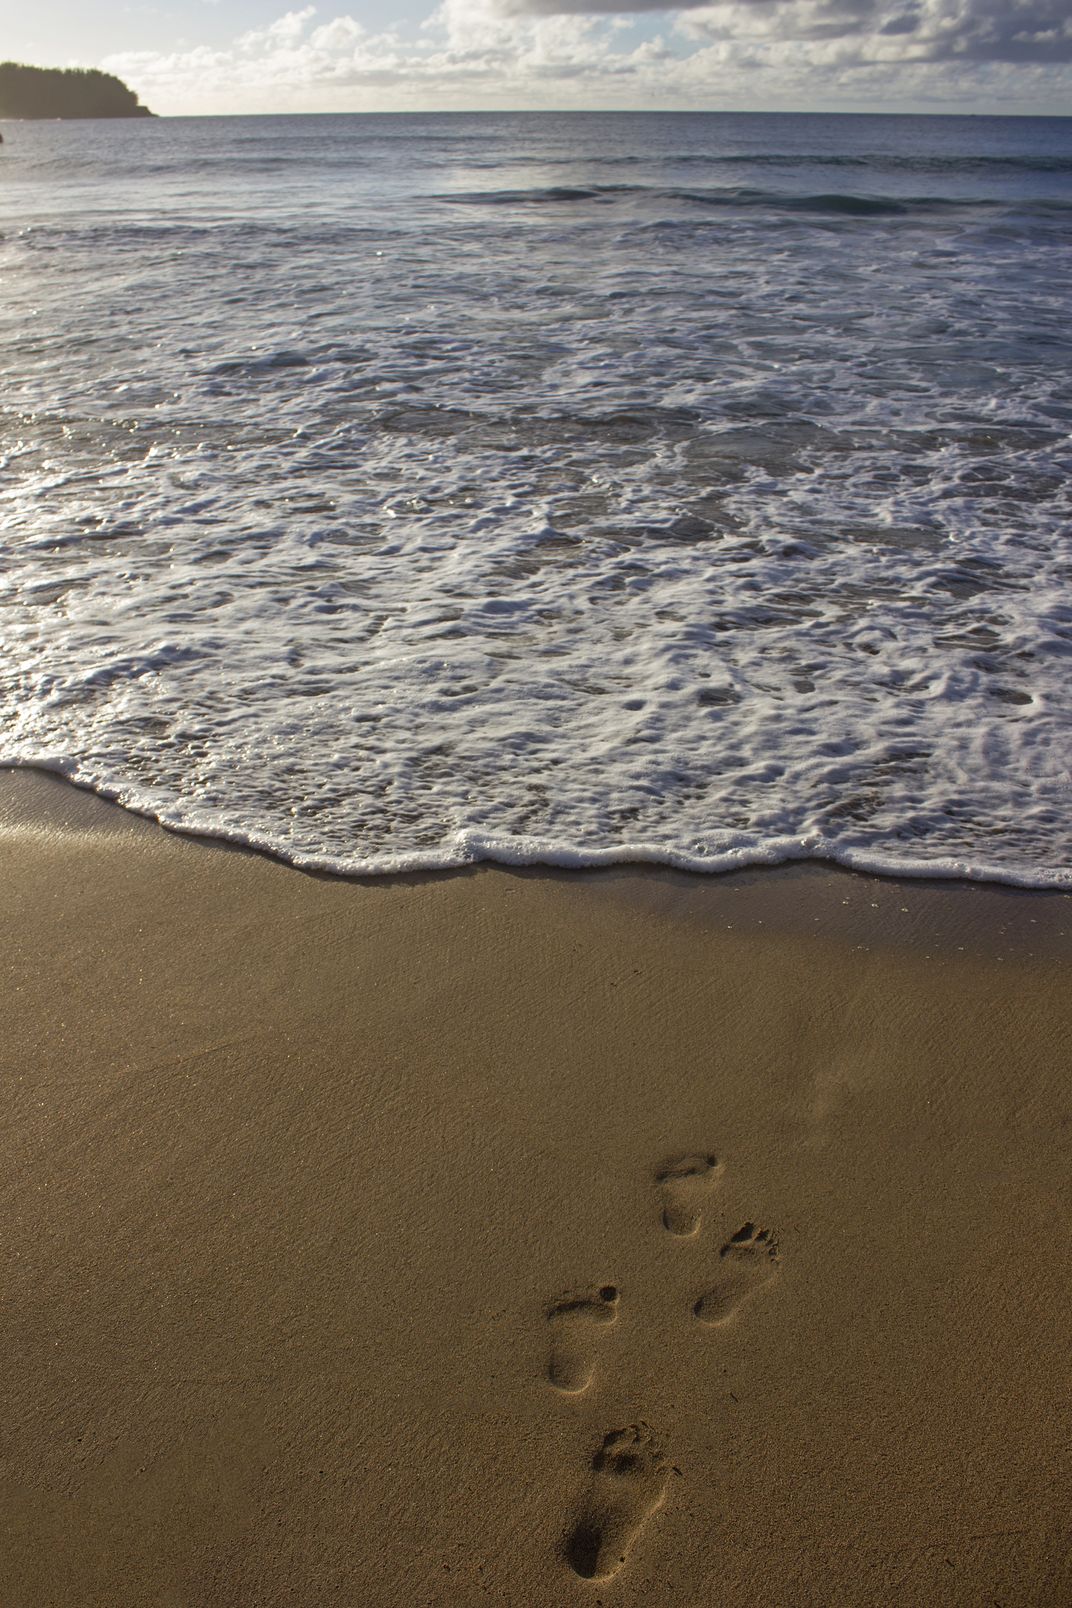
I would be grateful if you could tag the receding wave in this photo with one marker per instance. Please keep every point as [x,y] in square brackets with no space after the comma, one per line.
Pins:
[617,511]
[733,852]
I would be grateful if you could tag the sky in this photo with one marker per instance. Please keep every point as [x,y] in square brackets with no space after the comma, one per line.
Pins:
[216,56]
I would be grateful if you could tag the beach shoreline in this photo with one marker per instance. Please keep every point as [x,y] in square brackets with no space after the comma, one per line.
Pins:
[313,1185]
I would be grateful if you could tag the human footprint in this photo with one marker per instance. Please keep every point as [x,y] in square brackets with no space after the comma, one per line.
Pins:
[683,1185]
[629,1478]
[749,1260]
[570,1365]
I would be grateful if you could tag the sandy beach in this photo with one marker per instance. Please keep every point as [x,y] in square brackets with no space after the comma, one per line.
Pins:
[526,1238]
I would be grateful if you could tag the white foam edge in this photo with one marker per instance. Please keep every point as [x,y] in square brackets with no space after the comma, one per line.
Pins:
[473,848]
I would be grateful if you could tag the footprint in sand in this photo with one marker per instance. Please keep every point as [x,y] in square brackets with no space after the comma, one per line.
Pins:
[570,1366]
[683,1184]
[629,1477]
[749,1260]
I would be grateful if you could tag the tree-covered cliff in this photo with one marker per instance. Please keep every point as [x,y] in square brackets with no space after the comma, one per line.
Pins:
[64,92]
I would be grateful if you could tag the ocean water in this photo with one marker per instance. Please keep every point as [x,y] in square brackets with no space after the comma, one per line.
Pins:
[394,492]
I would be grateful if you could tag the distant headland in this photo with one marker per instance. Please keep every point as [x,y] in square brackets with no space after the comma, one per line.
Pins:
[65,92]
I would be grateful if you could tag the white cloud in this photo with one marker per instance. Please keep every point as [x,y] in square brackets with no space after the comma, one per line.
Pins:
[734,53]
[287,31]
[334,37]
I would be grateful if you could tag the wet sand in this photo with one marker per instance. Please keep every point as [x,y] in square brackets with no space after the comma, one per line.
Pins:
[526,1238]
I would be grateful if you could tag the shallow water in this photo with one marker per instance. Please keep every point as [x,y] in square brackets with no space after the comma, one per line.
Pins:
[400,491]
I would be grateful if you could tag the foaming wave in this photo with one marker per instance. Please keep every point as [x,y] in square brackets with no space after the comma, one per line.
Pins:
[383,532]
[470,847]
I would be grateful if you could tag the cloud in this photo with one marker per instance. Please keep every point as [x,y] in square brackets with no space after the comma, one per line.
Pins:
[1014,31]
[891,32]
[465,53]
[286,31]
[592,8]
[468,54]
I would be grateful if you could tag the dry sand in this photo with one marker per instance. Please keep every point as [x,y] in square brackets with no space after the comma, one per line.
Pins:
[309,1186]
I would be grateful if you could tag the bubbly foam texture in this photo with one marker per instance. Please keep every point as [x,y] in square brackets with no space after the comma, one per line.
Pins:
[359,511]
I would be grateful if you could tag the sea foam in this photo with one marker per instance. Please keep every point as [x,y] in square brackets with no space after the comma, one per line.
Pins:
[357,509]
